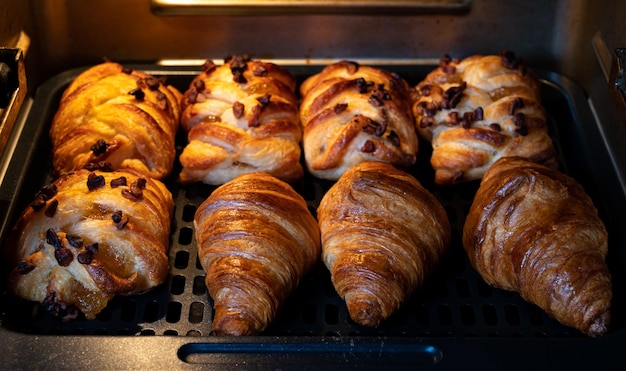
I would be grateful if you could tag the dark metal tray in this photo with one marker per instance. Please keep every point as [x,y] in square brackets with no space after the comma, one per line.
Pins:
[453,321]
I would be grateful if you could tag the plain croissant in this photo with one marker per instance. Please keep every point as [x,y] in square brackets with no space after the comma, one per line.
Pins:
[534,230]
[477,110]
[123,117]
[241,117]
[382,235]
[88,237]
[353,113]
[256,240]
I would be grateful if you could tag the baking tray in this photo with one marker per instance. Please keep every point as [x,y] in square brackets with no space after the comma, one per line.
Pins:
[454,321]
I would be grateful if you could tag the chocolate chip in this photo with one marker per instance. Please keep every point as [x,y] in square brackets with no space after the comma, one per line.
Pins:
[138,94]
[53,239]
[38,203]
[63,256]
[92,248]
[51,209]
[368,147]
[95,181]
[84,257]
[47,192]
[340,107]
[100,165]
[100,147]
[118,182]
[74,241]
[509,60]
[394,138]
[141,183]
[496,127]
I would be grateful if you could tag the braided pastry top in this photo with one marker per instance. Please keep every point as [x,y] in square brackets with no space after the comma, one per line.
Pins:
[353,113]
[241,117]
[123,117]
[477,110]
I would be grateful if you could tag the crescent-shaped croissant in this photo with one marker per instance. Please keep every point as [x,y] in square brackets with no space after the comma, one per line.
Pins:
[256,240]
[382,235]
[89,236]
[535,231]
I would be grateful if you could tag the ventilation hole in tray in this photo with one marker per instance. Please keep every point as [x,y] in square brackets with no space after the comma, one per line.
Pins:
[178,285]
[462,288]
[490,316]
[511,313]
[128,311]
[331,314]
[170,333]
[199,287]
[185,236]
[174,309]
[467,315]
[182,259]
[196,312]
[151,311]
[444,315]
[194,333]
[189,211]
[147,332]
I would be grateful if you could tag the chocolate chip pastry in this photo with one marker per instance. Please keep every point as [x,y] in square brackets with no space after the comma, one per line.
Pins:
[535,231]
[477,110]
[87,237]
[124,118]
[241,117]
[353,113]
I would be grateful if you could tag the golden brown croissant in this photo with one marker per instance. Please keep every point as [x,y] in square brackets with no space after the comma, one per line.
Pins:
[534,230]
[256,240]
[241,117]
[382,235]
[116,115]
[353,113]
[88,237]
[477,110]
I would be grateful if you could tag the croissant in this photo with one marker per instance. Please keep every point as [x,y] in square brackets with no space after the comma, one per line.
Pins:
[241,117]
[256,240]
[477,110]
[353,113]
[534,230]
[382,235]
[89,236]
[112,114]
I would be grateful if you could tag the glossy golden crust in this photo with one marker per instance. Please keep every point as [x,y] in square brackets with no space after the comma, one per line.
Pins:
[382,235]
[89,236]
[241,117]
[351,114]
[477,110]
[534,230]
[111,114]
[256,240]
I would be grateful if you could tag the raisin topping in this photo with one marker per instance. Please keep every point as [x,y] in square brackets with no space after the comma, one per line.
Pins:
[100,165]
[51,209]
[208,66]
[362,86]
[264,100]
[426,122]
[352,67]
[238,109]
[374,127]
[426,108]
[153,83]
[74,241]
[84,257]
[509,60]
[192,96]
[516,104]
[260,71]
[63,256]
[445,65]
[199,85]
[161,101]
[118,182]
[24,267]
[495,127]
[374,101]
[238,64]
[92,248]
[452,118]
[135,193]
[478,114]
[425,90]
[122,223]
[141,183]
[368,147]
[100,147]
[126,70]
[468,118]
[53,239]
[47,192]
[522,130]
[452,96]
[38,203]
[519,119]
[340,107]
[138,94]
[253,122]
[95,181]
[394,138]
[60,309]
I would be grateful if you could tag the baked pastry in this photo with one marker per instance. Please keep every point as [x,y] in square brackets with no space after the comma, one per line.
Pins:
[112,114]
[534,230]
[89,236]
[256,240]
[477,110]
[241,117]
[382,235]
[353,113]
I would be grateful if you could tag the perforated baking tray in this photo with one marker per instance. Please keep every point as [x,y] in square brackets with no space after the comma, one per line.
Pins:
[453,321]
